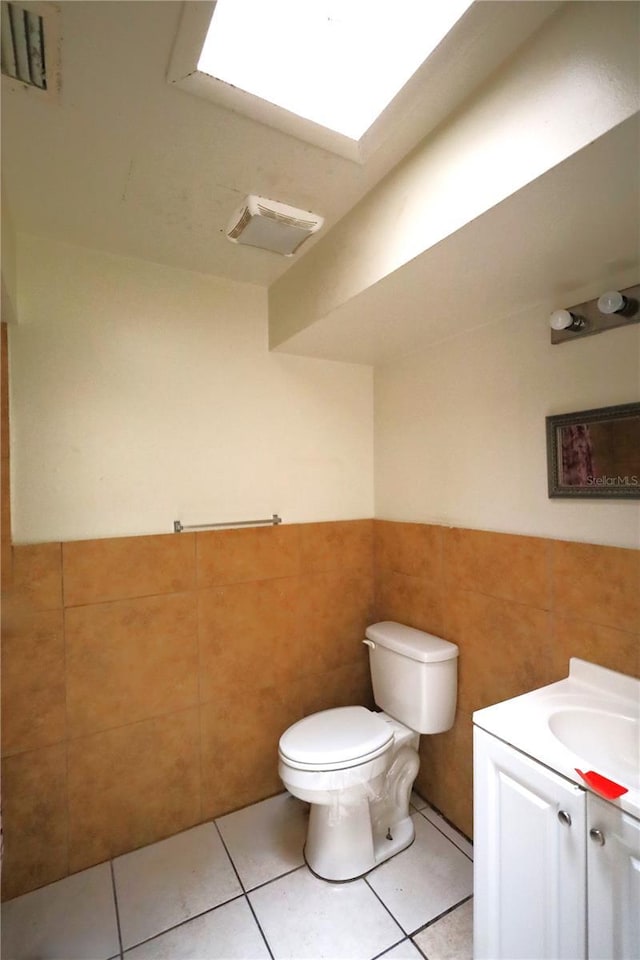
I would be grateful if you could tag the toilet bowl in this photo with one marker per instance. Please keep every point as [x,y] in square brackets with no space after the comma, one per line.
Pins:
[356,767]
[342,751]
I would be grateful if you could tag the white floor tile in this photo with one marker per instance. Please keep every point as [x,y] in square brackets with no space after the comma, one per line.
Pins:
[460,841]
[304,918]
[266,839]
[424,880]
[182,897]
[171,881]
[404,951]
[450,938]
[73,919]
[229,932]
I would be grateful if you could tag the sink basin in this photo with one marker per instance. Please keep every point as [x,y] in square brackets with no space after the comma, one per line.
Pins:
[607,742]
[585,727]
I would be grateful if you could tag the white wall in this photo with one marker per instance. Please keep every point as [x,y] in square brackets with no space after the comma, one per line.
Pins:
[8,303]
[460,429]
[575,80]
[142,394]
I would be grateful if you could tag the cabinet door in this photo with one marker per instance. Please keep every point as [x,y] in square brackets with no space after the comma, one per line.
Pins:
[529,858]
[613,862]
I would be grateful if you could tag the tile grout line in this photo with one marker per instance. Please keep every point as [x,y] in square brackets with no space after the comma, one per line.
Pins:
[262,933]
[441,816]
[382,955]
[440,916]
[244,891]
[182,923]
[281,876]
[408,933]
[122,726]
[419,949]
[429,806]
[195,916]
[379,898]
[226,850]
[115,902]
[442,833]
[66,741]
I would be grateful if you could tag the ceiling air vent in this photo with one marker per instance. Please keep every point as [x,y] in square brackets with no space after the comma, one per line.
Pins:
[271,225]
[30,45]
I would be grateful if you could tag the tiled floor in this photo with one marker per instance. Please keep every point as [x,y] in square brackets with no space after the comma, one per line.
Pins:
[238,888]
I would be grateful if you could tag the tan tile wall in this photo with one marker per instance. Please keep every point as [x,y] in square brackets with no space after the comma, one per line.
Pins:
[147,680]
[518,607]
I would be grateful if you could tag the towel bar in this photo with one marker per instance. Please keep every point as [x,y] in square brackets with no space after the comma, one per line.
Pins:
[274,520]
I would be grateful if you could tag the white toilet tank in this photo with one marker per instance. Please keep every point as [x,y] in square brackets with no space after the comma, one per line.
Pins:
[414,675]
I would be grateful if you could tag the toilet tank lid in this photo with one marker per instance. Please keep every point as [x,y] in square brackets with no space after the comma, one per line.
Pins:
[412,643]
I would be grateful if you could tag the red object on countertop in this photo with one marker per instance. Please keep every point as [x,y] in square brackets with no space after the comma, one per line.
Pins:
[606,788]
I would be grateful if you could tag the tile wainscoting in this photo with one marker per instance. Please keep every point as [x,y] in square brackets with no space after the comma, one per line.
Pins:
[146,680]
[518,607]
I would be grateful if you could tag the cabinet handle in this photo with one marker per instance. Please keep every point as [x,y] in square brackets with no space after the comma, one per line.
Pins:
[564,818]
[597,836]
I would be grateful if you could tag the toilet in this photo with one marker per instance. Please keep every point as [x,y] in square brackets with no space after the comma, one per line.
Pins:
[356,767]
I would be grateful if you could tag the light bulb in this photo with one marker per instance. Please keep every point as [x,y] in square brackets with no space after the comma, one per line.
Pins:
[560,319]
[611,302]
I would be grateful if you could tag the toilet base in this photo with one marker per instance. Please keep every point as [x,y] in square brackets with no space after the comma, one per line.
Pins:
[401,835]
[339,841]
[341,848]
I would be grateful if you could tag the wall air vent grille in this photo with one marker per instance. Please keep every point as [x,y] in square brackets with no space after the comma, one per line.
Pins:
[23,46]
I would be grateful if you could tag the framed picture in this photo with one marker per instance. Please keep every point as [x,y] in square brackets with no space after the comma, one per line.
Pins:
[595,453]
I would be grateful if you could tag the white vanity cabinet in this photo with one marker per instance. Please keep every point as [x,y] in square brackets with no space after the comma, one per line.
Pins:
[613,882]
[530,857]
[556,869]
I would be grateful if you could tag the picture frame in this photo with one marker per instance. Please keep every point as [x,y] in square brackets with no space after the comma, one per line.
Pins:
[595,453]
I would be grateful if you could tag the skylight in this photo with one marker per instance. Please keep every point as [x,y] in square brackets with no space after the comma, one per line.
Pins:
[338,63]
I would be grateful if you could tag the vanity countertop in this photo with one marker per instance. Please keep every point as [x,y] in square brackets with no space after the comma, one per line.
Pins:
[589,721]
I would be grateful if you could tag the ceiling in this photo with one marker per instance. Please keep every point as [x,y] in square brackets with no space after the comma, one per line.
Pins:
[127,163]
[573,228]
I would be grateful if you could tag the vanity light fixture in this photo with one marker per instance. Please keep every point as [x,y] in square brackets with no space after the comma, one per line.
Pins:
[565,320]
[614,302]
[615,308]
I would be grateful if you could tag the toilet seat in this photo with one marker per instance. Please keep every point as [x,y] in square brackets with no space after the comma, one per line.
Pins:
[335,739]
